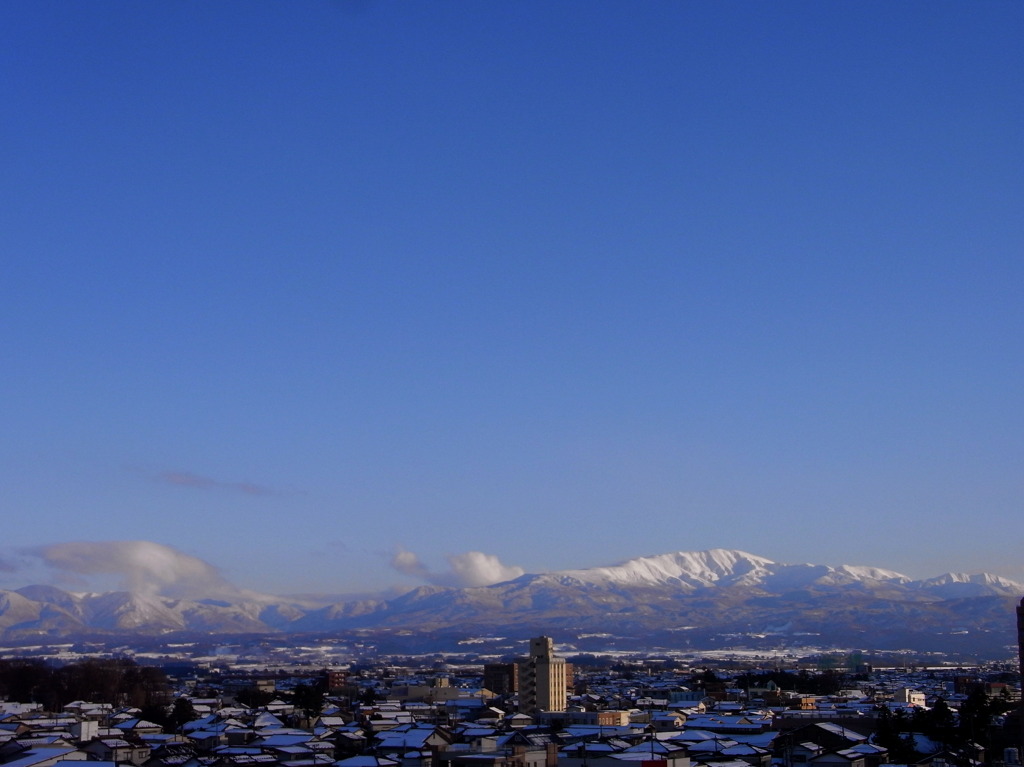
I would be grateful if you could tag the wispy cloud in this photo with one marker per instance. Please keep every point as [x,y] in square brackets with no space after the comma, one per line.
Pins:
[199,482]
[17,564]
[472,568]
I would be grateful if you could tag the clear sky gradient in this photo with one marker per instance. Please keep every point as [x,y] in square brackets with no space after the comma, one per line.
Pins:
[293,287]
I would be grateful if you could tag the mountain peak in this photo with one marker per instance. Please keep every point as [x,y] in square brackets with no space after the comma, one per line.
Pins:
[685,568]
[951,585]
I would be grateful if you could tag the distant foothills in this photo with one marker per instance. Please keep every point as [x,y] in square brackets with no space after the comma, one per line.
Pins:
[701,600]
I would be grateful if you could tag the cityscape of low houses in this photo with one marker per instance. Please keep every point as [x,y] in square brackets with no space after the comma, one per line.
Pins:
[601,717]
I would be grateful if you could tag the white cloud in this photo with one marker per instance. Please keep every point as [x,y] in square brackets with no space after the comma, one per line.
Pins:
[408,563]
[473,568]
[142,566]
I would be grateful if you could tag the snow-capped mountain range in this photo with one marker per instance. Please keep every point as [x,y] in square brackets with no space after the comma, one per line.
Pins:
[711,593]
[691,570]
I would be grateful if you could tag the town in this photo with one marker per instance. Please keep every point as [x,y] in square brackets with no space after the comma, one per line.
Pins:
[221,709]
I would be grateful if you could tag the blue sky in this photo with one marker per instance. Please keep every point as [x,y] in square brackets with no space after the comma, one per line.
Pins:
[294,287]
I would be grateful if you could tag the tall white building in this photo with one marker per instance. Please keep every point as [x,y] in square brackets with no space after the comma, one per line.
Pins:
[542,679]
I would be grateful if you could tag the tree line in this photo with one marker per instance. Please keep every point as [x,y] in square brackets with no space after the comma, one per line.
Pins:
[119,682]
[973,723]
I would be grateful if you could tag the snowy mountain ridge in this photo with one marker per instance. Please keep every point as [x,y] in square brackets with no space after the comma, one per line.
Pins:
[718,592]
[730,567]
[693,568]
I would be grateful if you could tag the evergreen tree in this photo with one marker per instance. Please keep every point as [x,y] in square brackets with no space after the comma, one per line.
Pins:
[939,724]
[975,717]
[310,700]
[182,713]
[891,735]
[253,698]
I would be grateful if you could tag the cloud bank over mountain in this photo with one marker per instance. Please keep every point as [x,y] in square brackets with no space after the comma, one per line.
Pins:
[142,567]
[155,569]
[473,568]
